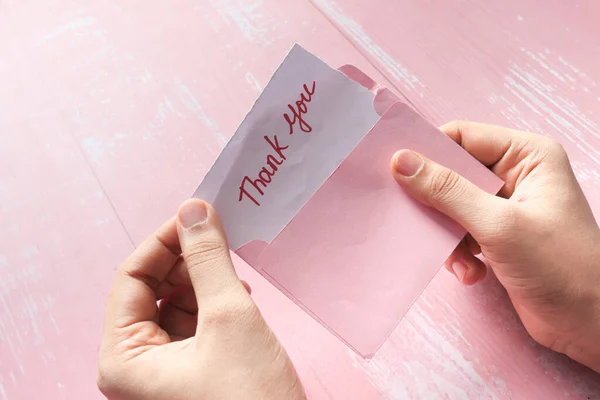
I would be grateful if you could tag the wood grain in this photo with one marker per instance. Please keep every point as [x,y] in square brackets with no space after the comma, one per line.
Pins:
[110,114]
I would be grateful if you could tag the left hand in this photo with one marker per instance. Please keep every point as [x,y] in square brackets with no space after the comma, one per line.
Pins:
[206,339]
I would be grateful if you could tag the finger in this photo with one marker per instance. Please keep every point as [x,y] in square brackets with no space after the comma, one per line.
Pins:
[448,192]
[184,298]
[205,251]
[509,153]
[133,298]
[472,244]
[487,143]
[178,314]
[247,287]
[178,276]
[467,268]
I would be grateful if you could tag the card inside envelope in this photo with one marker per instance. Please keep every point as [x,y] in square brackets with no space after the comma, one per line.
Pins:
[360,251]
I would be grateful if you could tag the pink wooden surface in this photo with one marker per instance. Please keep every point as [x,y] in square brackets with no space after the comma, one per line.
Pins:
[111,112]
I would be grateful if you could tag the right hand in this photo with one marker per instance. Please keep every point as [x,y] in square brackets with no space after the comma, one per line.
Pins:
[539,237]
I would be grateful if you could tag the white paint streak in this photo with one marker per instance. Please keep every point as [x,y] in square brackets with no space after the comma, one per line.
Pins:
[30,309]
[382,377]
[539,59]
[12,329]
[29,251]
[429,330]
[402,377]
[147,77]
[358,35]
[584,173]
[72,26]
[190,102]
[247,17]
[165,108]
[253,82]
[545,99]
[513,114]
[96,148]
[553,104]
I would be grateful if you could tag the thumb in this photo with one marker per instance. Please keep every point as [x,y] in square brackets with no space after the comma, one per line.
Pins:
[205,251]
[448,192]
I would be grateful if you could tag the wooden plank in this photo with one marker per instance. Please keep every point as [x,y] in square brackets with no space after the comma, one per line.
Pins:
[61,242]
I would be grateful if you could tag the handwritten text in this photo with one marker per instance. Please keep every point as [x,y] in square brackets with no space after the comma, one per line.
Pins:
[300,110]
[253,188]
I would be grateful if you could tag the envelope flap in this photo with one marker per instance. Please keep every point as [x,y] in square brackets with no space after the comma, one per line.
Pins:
[384,98]
[359,77]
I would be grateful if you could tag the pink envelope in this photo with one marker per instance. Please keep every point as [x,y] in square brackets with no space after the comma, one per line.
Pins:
[360,251]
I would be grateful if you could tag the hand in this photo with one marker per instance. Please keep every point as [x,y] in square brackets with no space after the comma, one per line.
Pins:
[539,236]
[206,339]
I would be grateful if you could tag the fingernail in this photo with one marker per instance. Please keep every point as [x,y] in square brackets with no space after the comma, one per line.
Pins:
[192,212]
[407,163]
[460,270]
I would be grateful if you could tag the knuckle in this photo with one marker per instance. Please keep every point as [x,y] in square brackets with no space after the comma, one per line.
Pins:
[209,248]
[443,185]
[553,148]
[506,223]
[137,272]
[230,311]
[508,217]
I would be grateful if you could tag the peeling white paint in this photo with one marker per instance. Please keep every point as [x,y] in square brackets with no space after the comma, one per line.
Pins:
[357,34]
[30,310]
[69,27]
[192,104]
[247,17]
[546,99]
[7,331]
[165,108]
[402,378]
[29,251]
[253,82]
[96,148]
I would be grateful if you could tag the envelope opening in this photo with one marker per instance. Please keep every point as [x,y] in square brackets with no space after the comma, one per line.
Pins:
[337,258]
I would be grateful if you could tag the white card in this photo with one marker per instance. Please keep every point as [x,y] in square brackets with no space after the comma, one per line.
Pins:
[303,125]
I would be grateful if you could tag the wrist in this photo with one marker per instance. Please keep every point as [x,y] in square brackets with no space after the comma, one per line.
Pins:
[594,349]
[586,345]
[586,348]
